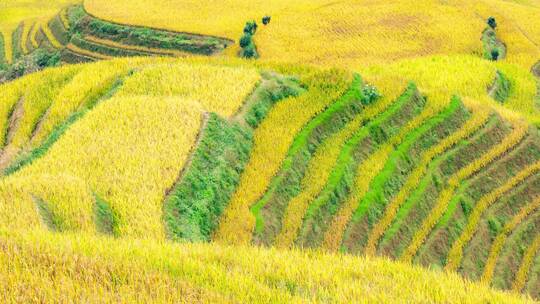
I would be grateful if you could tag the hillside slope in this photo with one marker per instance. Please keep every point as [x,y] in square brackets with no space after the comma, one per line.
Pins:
[244,153]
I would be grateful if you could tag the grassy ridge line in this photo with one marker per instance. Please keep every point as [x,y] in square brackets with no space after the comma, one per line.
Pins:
[525,266]
[86,24]
[16,37]
[118,45]
[456,252]
[374,187]
[58,30]
[519,131]
[57,132]
[478,119]
[273,138]
[316,176]
[101,49]
[2,49]
[239,274]
[500,240]
[305,145]
[77,50]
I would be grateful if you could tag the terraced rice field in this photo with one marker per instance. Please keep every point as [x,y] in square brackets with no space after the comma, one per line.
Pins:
[388,165]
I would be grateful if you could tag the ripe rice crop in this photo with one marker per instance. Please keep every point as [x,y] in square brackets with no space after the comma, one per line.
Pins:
[118,162]
[104,268]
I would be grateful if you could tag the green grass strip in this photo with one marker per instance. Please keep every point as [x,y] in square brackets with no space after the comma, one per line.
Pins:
[376,191]
[106,219]
[2,51]
[353,94]
[194,206]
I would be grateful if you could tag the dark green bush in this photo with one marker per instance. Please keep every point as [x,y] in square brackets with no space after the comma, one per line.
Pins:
[266,19]
[250,28]
[371,93]
[245,40]
[492,22]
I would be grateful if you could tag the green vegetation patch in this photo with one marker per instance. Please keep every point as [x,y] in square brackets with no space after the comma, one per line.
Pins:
[2,51]
[16,37]
[105,218]
[193,207]
[501,88]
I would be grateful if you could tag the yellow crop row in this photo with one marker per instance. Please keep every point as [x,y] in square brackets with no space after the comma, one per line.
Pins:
[206,84]
[503,235]
[479,118]
[518,132]
[456,252]
[8,45]
[33,36]
[524,268]
[64,18]
[95,269]
[136,48]
[27,27]
[271,142]
[129,151]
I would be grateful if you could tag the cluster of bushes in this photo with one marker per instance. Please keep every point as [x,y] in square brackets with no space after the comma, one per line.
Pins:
[249,50]
[371,94]
[493,48]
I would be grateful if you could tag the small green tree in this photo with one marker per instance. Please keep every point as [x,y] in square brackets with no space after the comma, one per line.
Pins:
[492,23]
[266,19]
